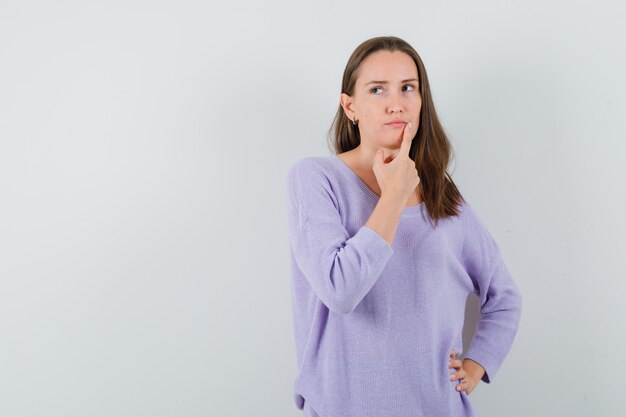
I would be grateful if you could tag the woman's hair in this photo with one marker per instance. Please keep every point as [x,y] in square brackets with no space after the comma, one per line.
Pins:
[430,148]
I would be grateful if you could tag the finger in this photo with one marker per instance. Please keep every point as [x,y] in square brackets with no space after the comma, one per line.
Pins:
[407,138]
[465,385]
[461,386]
[459,374]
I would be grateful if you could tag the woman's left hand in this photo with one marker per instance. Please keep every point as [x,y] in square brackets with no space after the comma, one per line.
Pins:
[468,371]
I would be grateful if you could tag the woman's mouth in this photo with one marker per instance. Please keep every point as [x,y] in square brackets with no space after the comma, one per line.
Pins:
[396,124]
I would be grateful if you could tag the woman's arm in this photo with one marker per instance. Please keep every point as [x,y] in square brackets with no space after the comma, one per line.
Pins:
[500,299]
[340,267]
[385,217]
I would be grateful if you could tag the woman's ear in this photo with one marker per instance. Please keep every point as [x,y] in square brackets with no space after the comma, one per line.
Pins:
[346,102]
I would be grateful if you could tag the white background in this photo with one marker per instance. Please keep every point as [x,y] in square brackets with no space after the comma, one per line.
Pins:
[144,265]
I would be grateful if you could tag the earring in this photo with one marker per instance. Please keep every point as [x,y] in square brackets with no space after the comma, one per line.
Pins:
[354,121]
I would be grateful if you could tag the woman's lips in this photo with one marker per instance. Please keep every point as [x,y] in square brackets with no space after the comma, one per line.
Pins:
[396,125]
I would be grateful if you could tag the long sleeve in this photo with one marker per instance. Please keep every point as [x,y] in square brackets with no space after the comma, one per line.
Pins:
[500,299]
[340,268]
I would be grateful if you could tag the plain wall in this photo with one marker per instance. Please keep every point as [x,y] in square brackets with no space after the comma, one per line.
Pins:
[144,265]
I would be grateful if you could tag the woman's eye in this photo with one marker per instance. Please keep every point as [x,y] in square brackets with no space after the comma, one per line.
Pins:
[412,88]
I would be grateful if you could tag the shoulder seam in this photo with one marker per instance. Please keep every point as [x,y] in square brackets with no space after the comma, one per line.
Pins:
[299,233]
[320,167]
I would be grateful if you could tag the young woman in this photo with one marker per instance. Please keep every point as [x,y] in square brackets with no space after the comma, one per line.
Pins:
[384,252]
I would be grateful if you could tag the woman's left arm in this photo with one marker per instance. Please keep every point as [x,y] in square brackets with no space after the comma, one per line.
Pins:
[500,300]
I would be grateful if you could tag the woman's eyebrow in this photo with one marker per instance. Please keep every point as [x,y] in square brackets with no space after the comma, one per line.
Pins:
[387,82]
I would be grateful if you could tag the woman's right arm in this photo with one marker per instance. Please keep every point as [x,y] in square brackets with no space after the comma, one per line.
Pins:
[340,268]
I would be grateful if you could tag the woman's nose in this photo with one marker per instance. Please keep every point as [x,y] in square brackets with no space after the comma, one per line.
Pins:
[394,108]
[394,104]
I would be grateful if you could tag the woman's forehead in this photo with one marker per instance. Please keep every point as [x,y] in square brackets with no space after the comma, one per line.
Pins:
[396,67]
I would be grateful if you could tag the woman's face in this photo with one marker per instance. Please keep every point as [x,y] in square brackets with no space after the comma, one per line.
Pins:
[387,89]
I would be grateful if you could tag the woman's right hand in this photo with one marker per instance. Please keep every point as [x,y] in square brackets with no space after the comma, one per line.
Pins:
[397,179]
